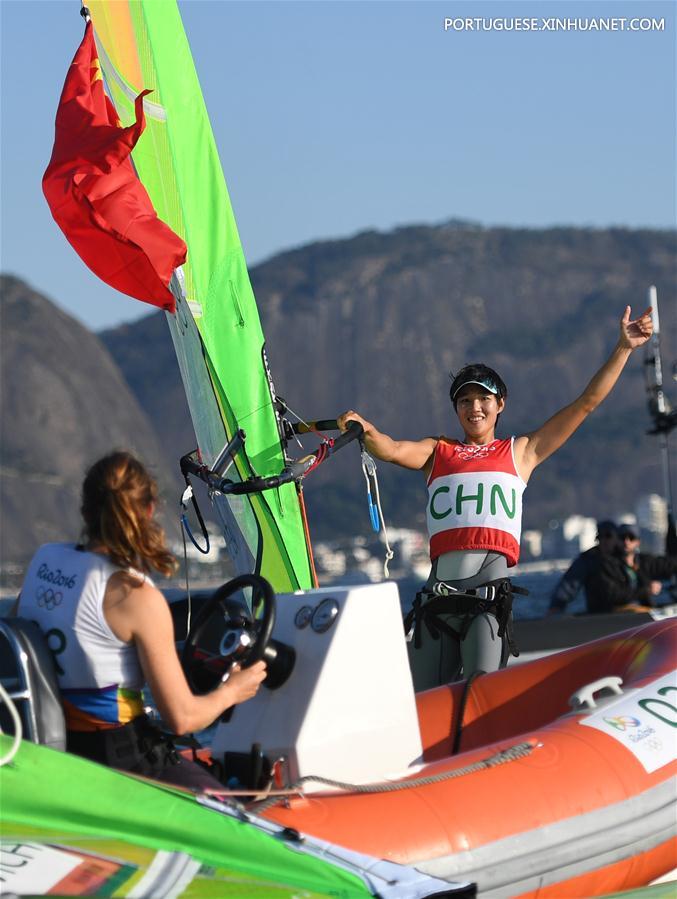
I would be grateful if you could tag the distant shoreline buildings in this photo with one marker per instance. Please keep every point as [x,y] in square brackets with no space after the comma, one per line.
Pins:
[361,558]
[576,533]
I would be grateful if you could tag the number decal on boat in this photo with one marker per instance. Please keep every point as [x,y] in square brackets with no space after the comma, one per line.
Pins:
[644,722]
[647,704]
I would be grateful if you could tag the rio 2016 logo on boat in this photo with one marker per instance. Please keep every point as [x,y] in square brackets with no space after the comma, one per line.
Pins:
[623,722]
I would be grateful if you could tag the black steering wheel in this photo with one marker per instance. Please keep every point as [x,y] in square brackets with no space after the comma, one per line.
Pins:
[225,633]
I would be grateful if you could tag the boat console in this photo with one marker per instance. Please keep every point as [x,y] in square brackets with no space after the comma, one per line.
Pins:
[346,709]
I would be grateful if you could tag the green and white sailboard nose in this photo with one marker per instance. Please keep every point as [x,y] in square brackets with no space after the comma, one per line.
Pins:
[71,827]
[216,329]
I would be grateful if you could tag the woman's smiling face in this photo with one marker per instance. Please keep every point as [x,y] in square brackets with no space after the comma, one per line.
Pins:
[477,411]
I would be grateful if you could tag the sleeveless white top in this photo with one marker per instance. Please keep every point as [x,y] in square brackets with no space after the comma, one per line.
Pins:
[100,677]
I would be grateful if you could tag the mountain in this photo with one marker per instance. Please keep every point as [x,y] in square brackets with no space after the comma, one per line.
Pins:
[64,404]
[376,323]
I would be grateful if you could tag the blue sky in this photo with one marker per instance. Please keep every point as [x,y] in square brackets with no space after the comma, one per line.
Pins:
[356,115]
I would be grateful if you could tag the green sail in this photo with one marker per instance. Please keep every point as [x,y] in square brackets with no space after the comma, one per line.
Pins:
[64,805]
[216,329]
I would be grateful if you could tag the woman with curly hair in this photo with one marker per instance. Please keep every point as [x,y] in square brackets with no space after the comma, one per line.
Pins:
[111,631]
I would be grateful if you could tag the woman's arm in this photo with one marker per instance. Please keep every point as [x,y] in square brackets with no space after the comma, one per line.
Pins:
[414,454]
[141,614]
[534,448]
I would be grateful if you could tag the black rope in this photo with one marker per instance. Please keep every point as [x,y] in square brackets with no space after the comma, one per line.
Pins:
[458,725]
[189,599]
[185,529]
[184,520]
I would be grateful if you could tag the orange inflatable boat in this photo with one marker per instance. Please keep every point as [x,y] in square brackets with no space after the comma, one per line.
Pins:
[553,778]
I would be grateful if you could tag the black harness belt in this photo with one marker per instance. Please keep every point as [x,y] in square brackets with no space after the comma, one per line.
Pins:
[138,746]
[493,598]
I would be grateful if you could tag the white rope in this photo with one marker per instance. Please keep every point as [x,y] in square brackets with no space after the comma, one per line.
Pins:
[18,729]
[369,468]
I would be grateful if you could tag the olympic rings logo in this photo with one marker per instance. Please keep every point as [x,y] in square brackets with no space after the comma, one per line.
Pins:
[48,598]
[623,722]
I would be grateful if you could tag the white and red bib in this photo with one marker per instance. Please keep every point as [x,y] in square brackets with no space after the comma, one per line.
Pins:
[475,499]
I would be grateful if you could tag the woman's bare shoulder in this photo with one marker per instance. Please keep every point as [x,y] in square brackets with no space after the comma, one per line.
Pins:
[132,600]
[128,585]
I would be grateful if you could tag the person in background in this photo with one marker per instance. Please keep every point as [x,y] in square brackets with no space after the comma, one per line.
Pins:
[111,632]
[579,575]
[475,488]
[628,579]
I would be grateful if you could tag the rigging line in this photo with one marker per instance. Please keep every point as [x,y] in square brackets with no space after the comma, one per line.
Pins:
[375,511]
[321,455]
[185,526]
[188,494]
[390,553]
[185,529]
[308,424]
[287,408]
[282,410]
[189,599]
[296,415]
[311,430]
[243,418]
[246,415]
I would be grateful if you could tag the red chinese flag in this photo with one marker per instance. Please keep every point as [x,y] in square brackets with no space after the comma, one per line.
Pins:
[94,193]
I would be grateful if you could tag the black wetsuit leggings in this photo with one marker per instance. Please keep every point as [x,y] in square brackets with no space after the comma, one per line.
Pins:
[141,748]
[480,650]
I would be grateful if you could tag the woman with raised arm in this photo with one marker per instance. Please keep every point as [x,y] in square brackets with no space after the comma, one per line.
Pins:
[111,631]
[475,488]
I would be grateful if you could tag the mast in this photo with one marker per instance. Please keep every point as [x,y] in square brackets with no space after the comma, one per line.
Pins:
[663,416]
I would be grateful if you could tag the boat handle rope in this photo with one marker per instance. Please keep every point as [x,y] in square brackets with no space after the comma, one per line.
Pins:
[511,754]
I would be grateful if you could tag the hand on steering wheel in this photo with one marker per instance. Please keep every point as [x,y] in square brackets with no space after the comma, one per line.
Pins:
[226,634]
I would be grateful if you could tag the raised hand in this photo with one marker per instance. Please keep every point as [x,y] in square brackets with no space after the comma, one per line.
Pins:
[636,332]
[343,421]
